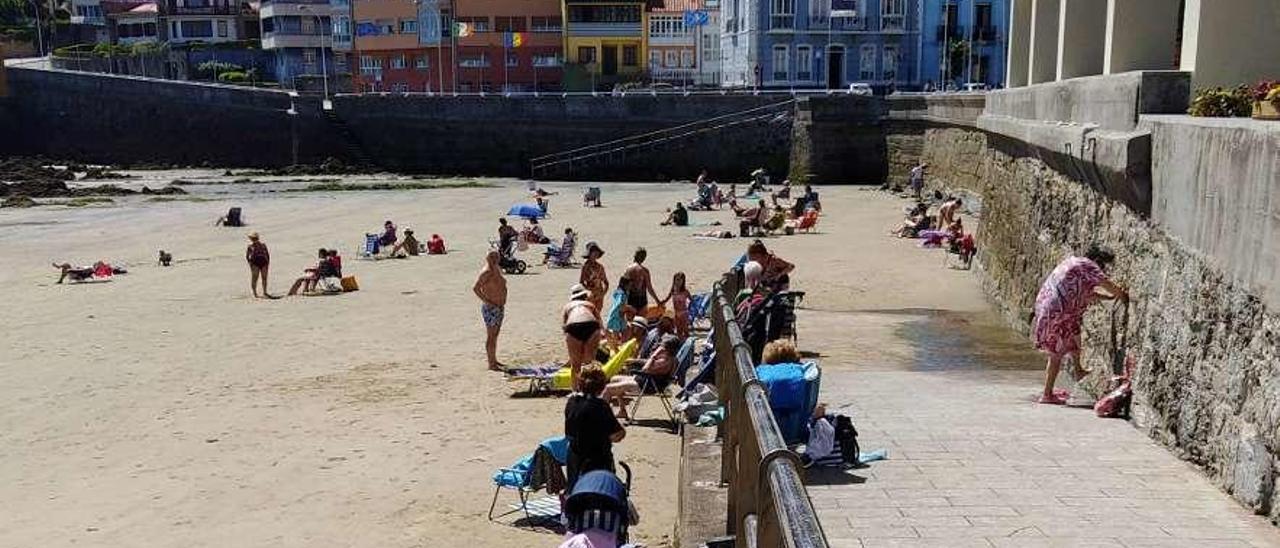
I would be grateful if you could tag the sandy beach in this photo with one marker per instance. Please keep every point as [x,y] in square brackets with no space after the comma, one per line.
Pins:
[169,408]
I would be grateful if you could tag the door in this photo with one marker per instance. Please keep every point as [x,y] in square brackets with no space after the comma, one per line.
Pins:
[835,68]
[609,63]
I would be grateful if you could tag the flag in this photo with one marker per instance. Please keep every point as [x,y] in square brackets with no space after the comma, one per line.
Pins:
[844,8]
[695,18]
[513,40]
[462,30]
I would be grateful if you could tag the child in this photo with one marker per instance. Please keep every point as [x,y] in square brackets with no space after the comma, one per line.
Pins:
[679,297]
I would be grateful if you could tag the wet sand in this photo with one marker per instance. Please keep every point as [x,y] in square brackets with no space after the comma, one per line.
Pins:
[168,408]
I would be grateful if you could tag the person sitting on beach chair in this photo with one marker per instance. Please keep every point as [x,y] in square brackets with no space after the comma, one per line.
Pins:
[435,246]
[325,268]
[388,237]
[532,233]
[561,255]
[651,378]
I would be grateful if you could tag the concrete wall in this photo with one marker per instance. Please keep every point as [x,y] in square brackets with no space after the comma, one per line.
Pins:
[1140,35]
[1229,42]
[838,139]
[1203,325]
[96,118]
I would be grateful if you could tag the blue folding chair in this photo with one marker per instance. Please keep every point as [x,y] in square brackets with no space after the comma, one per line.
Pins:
[684,359]
[371,246]
[517,478]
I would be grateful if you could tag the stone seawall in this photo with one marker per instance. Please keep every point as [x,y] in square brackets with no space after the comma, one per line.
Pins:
[1205,345]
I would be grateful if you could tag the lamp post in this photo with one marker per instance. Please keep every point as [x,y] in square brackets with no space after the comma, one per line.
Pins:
[39,33]
[324,67]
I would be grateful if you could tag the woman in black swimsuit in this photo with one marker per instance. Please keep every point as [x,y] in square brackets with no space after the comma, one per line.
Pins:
[581,320]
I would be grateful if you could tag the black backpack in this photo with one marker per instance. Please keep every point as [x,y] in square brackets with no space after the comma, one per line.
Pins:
[847,438]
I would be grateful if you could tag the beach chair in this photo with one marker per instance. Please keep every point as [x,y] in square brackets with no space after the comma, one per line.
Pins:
[370,248]
[232,218]
[591,197]
[684,360]
[562,257]
[806,222]
[699,304]
[519,477]
[552,378]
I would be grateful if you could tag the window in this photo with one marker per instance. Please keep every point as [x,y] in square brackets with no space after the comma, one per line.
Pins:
[780,69]
[421,62]
[655,58]
[308,58]
[222,29]
[546,60]
[867,62]
[474,60]
[893,14]
[630,56]
[478,24]
[804,63]
[397,62]
[673,58]
[604,14]
[196,29]
[686,58]
[666,26]
[586,54]
[308,25]
[173,29]
[386,27]
[782,14]
[819,13]
[509,24]
[370,64]
[890,63]
[513,60]
[341,31]
[408,26]
[546,24]
[268,25]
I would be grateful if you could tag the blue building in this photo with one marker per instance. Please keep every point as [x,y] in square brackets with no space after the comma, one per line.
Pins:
[965,41]
[799,44]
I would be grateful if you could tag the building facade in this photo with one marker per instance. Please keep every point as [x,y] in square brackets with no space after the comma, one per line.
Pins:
[207,21]
[300,35]
[400,46]
[684,50]
[799,44]
[605,42]
[965,41]
[511,45]
[131,22]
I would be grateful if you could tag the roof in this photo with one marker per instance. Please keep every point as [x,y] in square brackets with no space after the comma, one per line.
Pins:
[130,7]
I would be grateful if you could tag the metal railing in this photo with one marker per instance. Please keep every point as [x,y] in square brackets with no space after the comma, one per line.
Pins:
[768,504]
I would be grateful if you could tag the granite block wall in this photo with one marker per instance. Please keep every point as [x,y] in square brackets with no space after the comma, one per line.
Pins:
[1205,345]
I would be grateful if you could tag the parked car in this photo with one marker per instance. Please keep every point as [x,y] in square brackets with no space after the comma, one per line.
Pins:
[860,88]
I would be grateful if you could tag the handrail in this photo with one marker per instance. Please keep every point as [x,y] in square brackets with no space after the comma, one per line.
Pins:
[645,135]
[768,503]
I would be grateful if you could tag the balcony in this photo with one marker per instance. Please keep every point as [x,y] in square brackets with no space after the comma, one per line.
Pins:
[172,8]
[782,22]
[893,23]
[97,20]
[947,33]
[986,33]
[275,40]
[605,29]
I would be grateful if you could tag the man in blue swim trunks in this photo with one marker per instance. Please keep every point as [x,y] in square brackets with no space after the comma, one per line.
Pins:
[491,289]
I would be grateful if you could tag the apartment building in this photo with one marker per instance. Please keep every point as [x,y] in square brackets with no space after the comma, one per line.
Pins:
[511,45]
[402,46]
[606,41]
[300,35]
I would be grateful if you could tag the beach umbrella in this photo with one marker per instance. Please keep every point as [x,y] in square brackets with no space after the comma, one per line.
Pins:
[528,211]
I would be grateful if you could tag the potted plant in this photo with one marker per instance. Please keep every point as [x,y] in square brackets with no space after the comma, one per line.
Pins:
[1222,102]
[1266,100]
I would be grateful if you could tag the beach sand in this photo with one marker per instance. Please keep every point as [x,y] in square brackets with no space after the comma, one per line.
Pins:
[169,408]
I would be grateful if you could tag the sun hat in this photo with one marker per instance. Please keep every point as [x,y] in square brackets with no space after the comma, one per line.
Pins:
[593,245]
[640,322]
[253,235]
[578,292]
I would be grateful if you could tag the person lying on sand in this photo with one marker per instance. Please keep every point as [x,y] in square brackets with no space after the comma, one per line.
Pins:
[101,269]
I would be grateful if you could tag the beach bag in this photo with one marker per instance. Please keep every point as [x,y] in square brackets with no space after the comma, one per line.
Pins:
[330,284]
[846,437]
[349,284]
[1117,403]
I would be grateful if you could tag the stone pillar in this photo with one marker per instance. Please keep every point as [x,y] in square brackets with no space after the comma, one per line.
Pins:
[1141,35]
[1018,66]
[1229,42]
[1044,41]
[1082,32]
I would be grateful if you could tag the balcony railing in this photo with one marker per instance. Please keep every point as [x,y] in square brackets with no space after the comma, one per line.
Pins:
[782,22]
[173,9]
[890,23]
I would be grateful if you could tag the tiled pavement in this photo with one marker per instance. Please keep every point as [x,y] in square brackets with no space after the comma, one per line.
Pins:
[974,463]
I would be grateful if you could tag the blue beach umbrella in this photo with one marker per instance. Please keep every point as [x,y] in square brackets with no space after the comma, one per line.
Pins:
[528,211]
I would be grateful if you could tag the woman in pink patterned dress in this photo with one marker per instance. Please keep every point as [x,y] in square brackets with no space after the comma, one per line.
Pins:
[1060,307]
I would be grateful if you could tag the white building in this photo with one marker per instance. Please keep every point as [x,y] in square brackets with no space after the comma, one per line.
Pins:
[682,54]
[202,21]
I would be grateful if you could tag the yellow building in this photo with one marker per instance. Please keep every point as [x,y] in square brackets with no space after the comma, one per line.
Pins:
[606,39]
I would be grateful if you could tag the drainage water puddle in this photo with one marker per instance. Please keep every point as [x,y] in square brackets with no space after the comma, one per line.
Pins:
[919,339]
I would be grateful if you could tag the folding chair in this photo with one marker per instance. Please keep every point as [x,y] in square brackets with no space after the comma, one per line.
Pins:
[563,256]
[370,249]
[684,359]
[517,478]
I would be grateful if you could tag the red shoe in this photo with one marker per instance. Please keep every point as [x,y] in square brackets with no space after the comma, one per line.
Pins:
[1058,397]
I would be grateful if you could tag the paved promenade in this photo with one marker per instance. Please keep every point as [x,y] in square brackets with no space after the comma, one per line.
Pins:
[974,463]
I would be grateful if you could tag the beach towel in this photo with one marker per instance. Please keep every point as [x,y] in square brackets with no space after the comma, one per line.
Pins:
[562,378]
[528,211]
[613,319]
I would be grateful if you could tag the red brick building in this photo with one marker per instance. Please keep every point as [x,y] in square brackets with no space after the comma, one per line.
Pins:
[401,46]
[489,61]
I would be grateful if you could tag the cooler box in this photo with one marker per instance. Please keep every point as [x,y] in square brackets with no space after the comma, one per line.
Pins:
[793,395]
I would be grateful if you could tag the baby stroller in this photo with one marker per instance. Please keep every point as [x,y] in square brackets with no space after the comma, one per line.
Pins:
[772,319]
[597,507]
[507,259]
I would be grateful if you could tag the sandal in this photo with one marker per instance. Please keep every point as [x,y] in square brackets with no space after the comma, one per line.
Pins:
[1057,398]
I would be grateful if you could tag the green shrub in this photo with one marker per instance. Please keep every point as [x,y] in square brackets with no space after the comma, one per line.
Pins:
[1222,103]
[210,69]
[233,77]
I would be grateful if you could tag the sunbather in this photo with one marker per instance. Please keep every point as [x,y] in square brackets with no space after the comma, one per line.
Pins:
[323,268]
[553,251]
[582,322]
[435,246]
[77,273]
[409,245]
[917,220]
[678,216]
[654,376]
[388,237]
